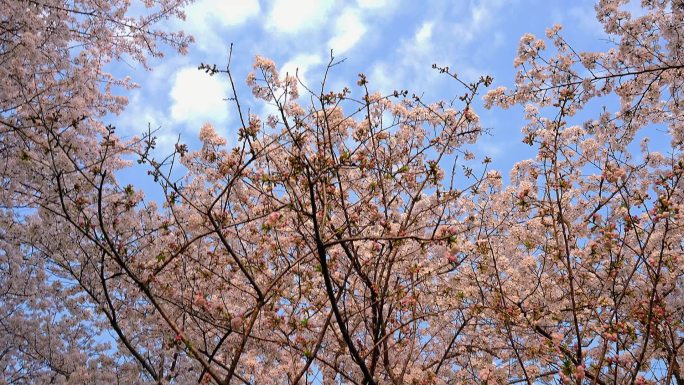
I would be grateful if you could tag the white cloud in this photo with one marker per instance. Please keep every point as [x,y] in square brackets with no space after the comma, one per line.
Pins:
[480,13]
[225,12]
[300,65]
[349,29]
[424,33]
[442,41]
[292,16]
[197,97]
[585,18]
[206,17]
[385,79]
[138,115]
[373,3]
[483,14]
[413,61]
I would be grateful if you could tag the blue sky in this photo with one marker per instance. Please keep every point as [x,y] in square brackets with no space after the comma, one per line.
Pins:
[393,42]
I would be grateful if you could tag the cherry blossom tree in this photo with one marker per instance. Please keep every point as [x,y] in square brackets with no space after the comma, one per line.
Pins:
[352,237]
[586,278]
[301,255]
[54,92]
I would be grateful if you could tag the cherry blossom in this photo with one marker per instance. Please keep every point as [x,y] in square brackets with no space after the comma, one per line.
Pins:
[349,236]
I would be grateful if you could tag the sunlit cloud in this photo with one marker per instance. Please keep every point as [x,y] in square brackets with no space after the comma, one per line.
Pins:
[293,16]
[197,97]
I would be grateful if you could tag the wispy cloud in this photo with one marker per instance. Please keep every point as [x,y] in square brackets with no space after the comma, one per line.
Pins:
[349,29]
[207,18]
